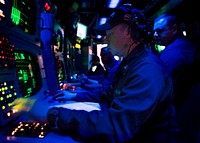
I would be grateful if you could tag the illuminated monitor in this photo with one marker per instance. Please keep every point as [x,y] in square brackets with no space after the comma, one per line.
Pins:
[81,31]
[60,70]
[28,72]
[23,14]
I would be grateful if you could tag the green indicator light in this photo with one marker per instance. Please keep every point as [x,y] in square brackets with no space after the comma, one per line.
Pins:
[3,107]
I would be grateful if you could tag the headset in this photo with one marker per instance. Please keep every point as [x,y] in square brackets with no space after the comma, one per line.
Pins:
[136,21]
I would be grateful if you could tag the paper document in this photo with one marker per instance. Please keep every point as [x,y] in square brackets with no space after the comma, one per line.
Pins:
[87,106]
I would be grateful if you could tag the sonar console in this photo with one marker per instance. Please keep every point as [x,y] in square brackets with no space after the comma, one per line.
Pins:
[24,129]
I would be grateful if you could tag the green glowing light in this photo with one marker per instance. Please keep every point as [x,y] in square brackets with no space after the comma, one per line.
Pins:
[3,107]
[15,15]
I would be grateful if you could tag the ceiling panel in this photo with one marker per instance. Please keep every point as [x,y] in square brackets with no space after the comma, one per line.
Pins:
[90,11]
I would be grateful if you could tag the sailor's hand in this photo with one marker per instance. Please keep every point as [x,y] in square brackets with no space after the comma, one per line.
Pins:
[63,95]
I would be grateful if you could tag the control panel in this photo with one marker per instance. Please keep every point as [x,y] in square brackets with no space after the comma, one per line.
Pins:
[8,81]
[29,129]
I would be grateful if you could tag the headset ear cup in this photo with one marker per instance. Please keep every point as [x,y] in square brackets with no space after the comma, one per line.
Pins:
[138,25]
[138,31]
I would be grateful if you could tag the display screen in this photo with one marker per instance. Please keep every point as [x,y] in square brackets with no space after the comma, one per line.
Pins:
[28,71]
[60,70]
[23,14]
[81,30]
